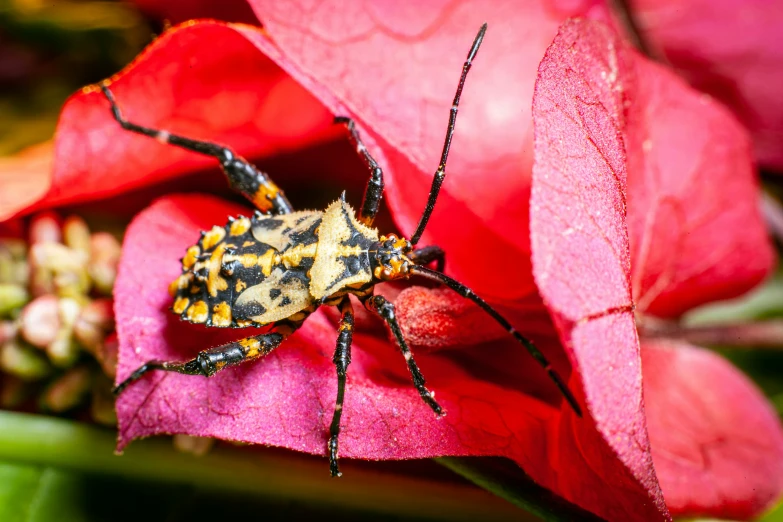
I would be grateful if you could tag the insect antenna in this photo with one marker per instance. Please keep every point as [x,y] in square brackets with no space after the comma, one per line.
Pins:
[440,174]
[464,291]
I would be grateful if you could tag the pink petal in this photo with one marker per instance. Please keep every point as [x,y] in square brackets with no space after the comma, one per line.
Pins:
[716,442]
[580,245]
[730,49]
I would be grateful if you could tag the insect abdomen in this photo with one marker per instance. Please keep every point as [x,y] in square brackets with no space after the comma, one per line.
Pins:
[247,254]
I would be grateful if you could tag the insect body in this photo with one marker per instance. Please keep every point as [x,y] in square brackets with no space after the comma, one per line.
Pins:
[278,266]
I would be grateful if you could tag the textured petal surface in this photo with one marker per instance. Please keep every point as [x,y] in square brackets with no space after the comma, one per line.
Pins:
[580,246]
[730,49]
[694,219]
[718,450]
[394,67]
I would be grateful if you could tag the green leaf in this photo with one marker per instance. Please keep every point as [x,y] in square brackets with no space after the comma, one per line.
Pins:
[53,469]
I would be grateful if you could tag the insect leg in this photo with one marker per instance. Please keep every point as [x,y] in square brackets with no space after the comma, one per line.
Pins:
[209,362]
[242,176]
[426,255]
[342,358]
[374,191]
[440,174]
[466,292]
[385,309]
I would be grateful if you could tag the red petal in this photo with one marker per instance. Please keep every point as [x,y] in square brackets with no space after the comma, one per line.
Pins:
[186,84]
[693,199]
[730,49]
[580,247]
[718,449]
[25,178]
[395,68]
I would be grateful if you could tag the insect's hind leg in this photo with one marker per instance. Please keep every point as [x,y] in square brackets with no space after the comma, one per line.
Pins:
[428,254]
[209,362]
[242,176]
[381,306]
[374,191]
[342,358]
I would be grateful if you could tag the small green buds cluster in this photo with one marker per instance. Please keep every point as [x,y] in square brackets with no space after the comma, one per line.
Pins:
[56,317]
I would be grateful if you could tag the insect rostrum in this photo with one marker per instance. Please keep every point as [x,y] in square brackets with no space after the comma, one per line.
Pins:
[277,267]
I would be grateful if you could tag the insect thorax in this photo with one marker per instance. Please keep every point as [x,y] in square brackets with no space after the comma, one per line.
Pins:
[254,271]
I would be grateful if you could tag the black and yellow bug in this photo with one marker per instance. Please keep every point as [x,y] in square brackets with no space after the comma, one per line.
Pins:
[278,266]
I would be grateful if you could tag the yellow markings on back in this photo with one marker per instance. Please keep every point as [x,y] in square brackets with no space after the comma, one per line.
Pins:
[267,261]
[293,256]
[251,346]
[180,283]
[215,282]
[264,262]
[190,256]
[198,312]
[213,237]
[180,305]
[241,285]
[221,314]
[328,267]
[239,226]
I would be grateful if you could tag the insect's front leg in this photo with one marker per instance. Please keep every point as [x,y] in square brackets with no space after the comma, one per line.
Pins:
[374,191]
[342,358]
[209,362]
[242,176]
[385,310]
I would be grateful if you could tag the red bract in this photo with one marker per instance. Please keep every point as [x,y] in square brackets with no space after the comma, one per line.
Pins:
[610,125]
[730,49]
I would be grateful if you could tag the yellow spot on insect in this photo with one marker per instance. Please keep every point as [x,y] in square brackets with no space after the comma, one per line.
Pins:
[213,237]
[180,283]
[345,326]
[293,256]
[265,194]
[239,226]
[216,283]
[267,261]
[245,323]
[221,314]
[180,305]
[241,285]
[248,243]
[251,346]
[190,257]
[198,312]
[220,364]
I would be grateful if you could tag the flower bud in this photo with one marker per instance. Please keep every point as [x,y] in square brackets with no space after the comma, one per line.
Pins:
[45,228]
[76,234]
[104,258]
[12,296]
[63,350]
[197,446]
[25,362]
[40,321]
[67,391]
[95,321]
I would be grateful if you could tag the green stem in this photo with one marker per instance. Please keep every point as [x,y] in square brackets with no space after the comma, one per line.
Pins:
[762,334]
[39,440]
[508,481]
